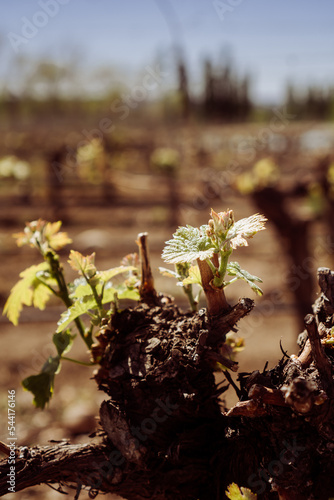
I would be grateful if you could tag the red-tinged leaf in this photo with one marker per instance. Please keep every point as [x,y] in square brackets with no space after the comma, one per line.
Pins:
[55,238]
[43,235]
[85,265]
[31,234]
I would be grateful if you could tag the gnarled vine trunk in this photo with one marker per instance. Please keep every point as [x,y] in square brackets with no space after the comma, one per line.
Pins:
[165,433]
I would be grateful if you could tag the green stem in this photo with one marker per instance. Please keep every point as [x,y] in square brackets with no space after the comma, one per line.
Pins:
[97,299]
[211,266]
[218,280]
[76,361]
[188,290]
[49,287]
[233,280]
[100,309]
[57,273]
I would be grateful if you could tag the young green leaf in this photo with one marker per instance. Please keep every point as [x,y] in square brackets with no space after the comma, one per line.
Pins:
[81,288]
[85,265]
[244,228]
[194,277]
[41,292]
[188,244]
[111,273]
[235,493]
[234,269]
[86,301]
[42,385]
[80,307]
[78,288]
[186,274]
[123,292]
[84,290]
[169,273]
[27,291]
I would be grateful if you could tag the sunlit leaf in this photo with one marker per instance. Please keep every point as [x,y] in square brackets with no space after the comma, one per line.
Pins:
[85,265]
[233,269]
[188,244]
[128,294]
[83,290]
[123,292]
[132,259]
[32,233]
[235,493]
[80,307]
[43,235]
[41,292]
[27,291]
[111,273]
[72,287]
[245,228]
[182,269]
[56,239]
[194,276]
[168,272]
[132,282]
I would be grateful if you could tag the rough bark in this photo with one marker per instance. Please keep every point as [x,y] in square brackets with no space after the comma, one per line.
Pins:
[164,432]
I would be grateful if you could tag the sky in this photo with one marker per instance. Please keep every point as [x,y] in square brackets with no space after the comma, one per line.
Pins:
[274,41]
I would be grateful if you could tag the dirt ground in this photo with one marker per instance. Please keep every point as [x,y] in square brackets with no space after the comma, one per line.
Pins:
[111,232]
